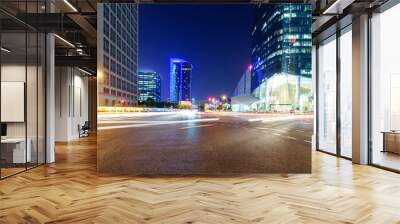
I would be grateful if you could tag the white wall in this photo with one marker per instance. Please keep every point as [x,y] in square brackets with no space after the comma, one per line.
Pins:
[15,73]
[33,126]
[71,102]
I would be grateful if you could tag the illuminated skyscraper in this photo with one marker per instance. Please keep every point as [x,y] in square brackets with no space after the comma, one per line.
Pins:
[149,85]
[281,56]
[180,80]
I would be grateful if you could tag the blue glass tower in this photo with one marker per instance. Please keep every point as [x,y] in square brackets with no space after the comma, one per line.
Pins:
[149,86]
[180,80]
[281,54]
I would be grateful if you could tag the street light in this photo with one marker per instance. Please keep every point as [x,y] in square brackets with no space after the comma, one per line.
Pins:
[224,97]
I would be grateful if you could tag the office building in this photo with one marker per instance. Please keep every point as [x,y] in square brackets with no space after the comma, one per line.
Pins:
[149,85]
[281,57]
[242,99]
[117,57]
[180,80]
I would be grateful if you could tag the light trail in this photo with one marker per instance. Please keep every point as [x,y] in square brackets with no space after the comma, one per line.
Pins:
[156,123]
[197,126]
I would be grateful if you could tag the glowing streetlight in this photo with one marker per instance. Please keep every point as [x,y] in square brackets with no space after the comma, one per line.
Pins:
[224,97]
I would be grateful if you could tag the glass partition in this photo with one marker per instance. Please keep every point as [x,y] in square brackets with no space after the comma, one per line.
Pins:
[41,97]
[327,95]
[31,97]
[13,94]
[22,91]
[385,89]
[346,93]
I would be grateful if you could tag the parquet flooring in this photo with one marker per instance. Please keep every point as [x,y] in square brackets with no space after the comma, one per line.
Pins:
[70,191]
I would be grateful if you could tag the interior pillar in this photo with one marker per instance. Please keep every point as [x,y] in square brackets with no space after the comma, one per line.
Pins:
[360,90]
[50,99]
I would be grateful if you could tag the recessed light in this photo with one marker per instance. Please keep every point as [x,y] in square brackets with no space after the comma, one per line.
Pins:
[64,40]
[5,50]
[70,5]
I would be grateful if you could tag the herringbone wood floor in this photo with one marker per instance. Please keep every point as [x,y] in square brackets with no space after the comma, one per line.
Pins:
[69,191]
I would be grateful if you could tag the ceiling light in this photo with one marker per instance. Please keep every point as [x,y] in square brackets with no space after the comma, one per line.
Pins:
[84,71]
[70,5]
[65,41]
[5,50]
[337,7]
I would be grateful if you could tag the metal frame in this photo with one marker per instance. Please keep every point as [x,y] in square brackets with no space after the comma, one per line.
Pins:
[338,152]
[317,96]
[369,96]
[338,95]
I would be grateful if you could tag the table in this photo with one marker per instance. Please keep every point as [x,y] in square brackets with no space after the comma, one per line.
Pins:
[391,141]
[19,155]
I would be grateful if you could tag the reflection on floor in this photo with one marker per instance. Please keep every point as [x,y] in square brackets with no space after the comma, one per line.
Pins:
[387,159]
[11,169]
[70,191]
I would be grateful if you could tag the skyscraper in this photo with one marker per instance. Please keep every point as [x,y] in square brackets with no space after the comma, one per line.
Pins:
[149,85]
[117,58]
[281,56]
[180,80]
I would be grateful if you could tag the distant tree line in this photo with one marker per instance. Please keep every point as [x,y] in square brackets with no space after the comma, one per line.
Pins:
[151,103]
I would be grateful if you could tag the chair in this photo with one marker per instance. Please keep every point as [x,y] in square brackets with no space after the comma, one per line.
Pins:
[84,130]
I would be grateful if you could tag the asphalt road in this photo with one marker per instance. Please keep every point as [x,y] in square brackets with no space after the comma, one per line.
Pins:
[186,143]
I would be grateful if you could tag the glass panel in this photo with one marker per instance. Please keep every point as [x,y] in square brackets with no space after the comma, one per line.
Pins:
[327,96]
[386,89]
[346,94]
[31,98]
[23,90]
[13,86]
[41,98]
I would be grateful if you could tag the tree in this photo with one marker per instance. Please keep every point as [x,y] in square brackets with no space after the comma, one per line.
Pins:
[150,102]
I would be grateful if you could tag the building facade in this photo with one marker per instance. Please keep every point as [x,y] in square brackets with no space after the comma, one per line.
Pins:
[281,57]
[117,54]
[244,85]
[242,99]
[180,80]
[149,86]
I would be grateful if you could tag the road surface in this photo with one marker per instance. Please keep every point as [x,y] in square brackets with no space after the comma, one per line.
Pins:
[190,143]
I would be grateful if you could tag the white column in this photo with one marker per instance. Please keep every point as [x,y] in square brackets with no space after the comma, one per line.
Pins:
[360,90]
[50,100]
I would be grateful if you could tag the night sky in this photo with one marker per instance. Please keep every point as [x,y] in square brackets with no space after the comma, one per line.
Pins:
[216,39]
